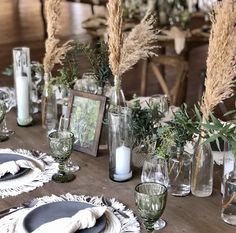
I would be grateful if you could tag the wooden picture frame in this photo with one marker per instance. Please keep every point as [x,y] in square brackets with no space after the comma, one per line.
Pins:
[86,111]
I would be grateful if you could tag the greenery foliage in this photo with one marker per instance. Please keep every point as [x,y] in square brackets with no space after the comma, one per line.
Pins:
[145,121]
[99,60]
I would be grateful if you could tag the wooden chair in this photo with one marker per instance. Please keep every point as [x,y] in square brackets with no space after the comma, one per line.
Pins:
[177,91]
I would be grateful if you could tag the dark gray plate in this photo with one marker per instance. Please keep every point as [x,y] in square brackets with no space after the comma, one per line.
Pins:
[55,210]
[6,157]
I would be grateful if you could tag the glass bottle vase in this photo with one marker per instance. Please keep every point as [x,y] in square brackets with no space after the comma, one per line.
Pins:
[228,211]
[49,106]
[179,169]
[202,170]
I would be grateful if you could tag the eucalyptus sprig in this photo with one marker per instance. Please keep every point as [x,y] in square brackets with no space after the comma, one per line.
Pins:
[217,129]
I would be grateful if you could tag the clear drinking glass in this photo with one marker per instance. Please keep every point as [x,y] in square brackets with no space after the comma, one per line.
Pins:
[150,198]
[155,170]
[162,102]
[61,144]
[70,166]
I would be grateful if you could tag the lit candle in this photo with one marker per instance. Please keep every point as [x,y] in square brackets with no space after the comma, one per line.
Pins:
[123,160]
[22,97]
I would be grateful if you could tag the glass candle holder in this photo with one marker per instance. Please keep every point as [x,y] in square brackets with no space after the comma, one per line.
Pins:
[22,79]
[120,144]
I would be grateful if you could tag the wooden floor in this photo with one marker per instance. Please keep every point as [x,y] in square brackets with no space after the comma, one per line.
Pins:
[21,25]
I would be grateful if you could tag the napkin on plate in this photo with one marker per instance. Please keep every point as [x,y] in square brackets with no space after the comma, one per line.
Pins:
[81,220]
[14,166]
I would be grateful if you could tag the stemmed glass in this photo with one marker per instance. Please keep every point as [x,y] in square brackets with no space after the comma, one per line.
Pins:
[150,198]
[70,166]
[7,98]
[61,144]
[162,102]
[155,169]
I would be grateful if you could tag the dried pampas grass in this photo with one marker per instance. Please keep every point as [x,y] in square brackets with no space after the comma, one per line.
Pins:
[54,52]
[139,44]
[221,62]
[115,40]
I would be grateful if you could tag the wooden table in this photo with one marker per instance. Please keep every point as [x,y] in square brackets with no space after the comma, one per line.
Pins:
[183,214]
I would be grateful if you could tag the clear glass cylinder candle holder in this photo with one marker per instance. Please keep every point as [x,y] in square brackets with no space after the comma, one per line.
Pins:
[120,144]
[179,169]
[22,80]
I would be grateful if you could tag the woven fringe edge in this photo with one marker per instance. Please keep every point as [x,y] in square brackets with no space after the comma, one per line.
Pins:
[50,167]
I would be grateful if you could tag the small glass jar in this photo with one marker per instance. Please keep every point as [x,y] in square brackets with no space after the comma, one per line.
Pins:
[120,144]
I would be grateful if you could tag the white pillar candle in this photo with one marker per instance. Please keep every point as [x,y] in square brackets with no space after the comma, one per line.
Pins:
[122,160]
[22,97]
[190,6]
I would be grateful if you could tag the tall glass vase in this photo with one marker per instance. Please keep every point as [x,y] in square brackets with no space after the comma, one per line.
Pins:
[49,106]
[120,144]
[202,170]
[23,85]
[228,211]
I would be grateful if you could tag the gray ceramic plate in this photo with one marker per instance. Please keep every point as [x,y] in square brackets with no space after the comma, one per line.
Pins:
[7,157]
[56,210]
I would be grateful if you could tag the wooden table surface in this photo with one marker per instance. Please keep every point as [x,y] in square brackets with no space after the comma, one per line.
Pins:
[183,214]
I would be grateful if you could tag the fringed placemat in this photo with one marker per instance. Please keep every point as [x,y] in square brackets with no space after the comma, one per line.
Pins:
[45,167]
[115,223]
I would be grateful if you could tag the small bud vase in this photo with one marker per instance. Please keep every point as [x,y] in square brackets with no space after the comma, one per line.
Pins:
[49,106]
[202,170]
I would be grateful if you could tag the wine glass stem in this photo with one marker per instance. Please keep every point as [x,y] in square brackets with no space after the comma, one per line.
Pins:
[61,168]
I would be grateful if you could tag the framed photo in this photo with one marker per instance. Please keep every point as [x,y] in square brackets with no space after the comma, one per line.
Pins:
[86,113]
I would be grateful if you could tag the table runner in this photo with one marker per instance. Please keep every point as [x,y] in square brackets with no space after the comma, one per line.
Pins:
[34,178]
[115,222]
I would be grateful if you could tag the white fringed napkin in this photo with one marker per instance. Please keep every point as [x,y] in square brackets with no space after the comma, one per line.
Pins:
[44,168]
[115,223]
[13,167]
[83,219]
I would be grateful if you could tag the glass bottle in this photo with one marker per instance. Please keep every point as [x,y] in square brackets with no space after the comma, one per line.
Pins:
[179,167]
[202,170]
[117,98]
[49,106]
[228,211]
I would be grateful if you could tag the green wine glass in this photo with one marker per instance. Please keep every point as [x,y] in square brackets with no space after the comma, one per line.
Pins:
[150,198]
[61,144]
[2,110]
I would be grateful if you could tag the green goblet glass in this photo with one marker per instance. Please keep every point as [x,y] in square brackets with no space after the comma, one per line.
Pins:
[150,198]
[2,110]
[61,145]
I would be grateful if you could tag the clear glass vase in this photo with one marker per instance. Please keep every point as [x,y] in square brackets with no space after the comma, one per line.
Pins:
[120,144]
[228,211]
[179,168]
[202,170]
[23,85]
[49,106]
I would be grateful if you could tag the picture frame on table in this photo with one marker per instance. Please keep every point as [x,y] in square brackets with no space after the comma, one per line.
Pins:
[86,112]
